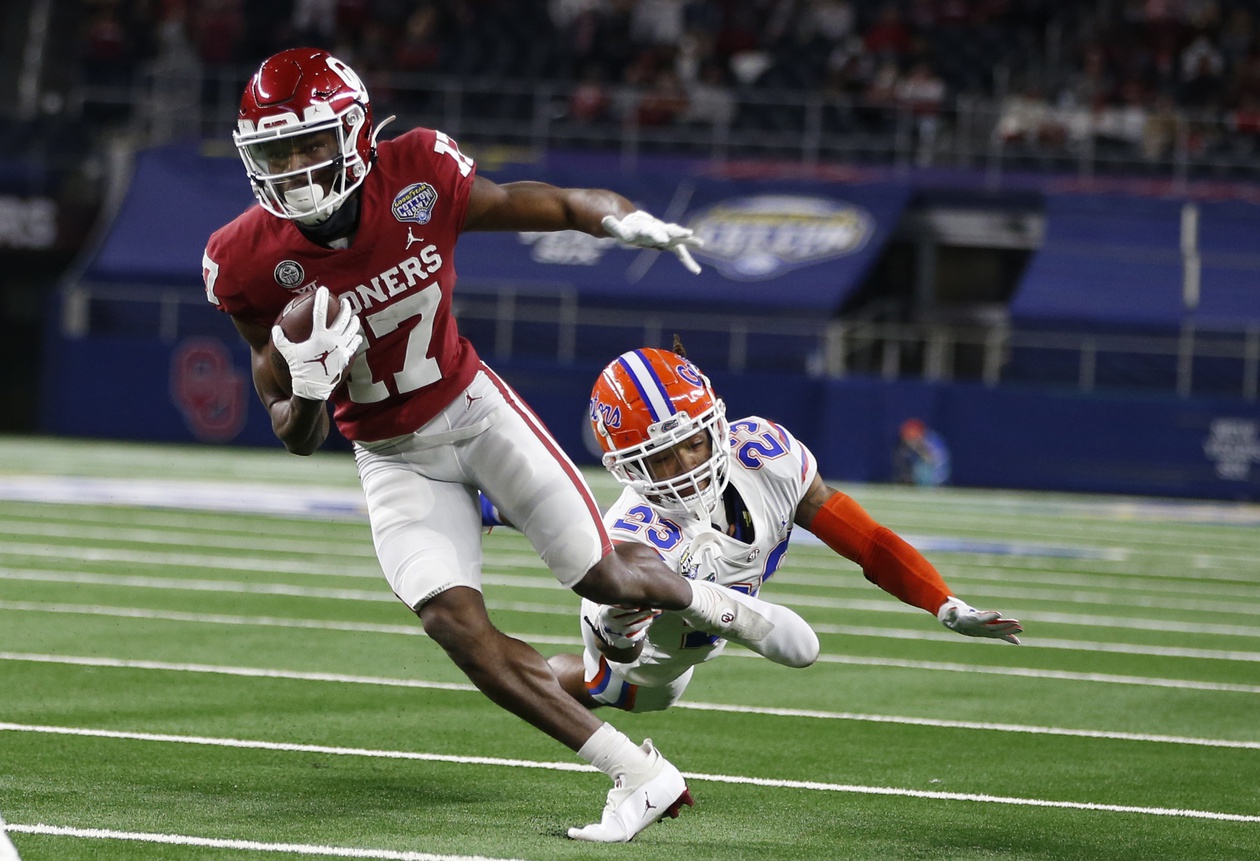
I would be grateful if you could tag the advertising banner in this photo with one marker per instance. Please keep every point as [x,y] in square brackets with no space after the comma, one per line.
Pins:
[769,244]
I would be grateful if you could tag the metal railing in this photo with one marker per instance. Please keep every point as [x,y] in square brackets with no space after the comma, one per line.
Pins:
[508,323]
[808,129]
[1197,360]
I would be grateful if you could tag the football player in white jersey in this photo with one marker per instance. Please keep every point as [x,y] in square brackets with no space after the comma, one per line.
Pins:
[718,500]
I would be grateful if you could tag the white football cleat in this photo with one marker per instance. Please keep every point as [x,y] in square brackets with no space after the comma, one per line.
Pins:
[8,852]
[631,807]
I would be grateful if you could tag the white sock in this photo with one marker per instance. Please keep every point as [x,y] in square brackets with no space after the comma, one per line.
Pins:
[712,609]
[8,852]
[613,753]
[704,604]
[697,596]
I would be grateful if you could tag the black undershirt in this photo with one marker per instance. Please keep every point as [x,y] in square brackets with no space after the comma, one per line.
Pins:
[738,518]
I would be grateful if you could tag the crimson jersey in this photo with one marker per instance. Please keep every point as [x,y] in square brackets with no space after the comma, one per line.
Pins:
[398,275]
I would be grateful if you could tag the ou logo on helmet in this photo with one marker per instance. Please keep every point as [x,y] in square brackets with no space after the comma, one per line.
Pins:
[346,74]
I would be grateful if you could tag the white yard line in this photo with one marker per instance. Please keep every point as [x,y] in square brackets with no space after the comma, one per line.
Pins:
[231,560]
[341,678]
[237,496]
[877,604]
[361,563]
[324,547]
[807,785]
[1046,643]
[883,604]
[175,583]
[245,845]
[347,505]
[549,609]
[1061,675]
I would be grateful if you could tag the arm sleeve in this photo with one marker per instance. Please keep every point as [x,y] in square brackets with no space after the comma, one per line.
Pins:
[887,560]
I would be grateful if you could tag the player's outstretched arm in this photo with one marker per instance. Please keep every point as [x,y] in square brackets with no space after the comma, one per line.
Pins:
[599,212]
[892,564]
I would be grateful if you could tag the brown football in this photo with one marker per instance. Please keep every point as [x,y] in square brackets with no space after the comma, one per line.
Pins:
[296,320]
[298,317]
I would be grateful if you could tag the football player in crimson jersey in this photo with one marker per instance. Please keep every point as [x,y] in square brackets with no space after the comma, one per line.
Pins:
[718,500]
[372,226]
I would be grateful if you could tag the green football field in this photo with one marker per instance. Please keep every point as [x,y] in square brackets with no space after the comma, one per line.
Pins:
[199,659]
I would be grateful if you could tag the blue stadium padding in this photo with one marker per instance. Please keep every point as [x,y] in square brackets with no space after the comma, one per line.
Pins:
[1104,260]
[1036,439]
[1115,262]
[1156,444]
[176,199]
[1008,437]
[132,398]
[1230,289]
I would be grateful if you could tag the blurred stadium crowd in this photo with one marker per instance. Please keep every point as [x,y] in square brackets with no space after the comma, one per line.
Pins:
[987,121]
[1136,76]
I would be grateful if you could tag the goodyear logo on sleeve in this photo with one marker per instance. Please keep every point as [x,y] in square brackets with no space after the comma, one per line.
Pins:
[755,238]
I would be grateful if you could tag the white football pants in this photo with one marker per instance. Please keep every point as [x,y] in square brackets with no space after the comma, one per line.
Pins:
[421,494]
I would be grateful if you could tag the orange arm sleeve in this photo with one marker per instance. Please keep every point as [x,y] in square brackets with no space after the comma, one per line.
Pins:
[886,559]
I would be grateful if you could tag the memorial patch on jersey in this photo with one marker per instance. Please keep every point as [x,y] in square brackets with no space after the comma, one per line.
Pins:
[289,274]
[415,203]
[760,237]
[689,566]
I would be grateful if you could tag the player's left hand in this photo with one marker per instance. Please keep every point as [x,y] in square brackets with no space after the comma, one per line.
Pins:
[961,617]
[644,230]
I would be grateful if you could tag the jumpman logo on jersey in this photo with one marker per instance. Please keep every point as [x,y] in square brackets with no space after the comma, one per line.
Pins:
[322,358]
[413,238]
[469,399]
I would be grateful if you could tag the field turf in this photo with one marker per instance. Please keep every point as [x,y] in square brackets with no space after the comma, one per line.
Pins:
[199,659]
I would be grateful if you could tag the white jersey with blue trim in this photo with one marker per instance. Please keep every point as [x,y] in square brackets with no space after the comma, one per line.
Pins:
[770,471]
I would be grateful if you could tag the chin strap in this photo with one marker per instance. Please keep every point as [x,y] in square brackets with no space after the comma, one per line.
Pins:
[343,222]
[886,559]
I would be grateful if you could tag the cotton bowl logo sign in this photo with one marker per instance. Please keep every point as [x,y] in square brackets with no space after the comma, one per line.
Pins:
[755,238]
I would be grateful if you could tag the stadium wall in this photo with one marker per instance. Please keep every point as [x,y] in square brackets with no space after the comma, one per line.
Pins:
[198,390]
[777,242]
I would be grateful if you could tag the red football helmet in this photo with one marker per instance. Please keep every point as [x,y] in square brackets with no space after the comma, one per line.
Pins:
[304,132]
[648,401]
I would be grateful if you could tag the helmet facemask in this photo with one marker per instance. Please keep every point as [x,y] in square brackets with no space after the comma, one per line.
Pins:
[695,493]
[303,169]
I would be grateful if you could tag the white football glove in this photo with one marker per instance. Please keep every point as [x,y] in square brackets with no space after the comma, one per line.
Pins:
[961,617]
[621,627]
[644,230]
[318,363]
